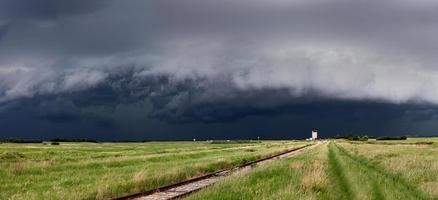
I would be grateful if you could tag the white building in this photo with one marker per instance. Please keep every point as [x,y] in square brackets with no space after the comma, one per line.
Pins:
[314,134]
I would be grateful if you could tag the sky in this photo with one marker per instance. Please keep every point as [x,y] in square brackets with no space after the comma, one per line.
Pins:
[209,69]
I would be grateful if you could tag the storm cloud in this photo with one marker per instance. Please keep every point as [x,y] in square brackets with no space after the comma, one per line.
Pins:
[204,64]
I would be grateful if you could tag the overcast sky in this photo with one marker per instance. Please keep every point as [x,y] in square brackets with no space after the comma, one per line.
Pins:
[179,69]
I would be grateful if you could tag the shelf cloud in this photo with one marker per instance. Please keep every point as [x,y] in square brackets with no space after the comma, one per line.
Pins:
[194,62]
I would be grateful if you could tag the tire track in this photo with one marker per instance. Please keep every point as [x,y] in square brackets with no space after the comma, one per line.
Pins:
[338,171]
[381,173]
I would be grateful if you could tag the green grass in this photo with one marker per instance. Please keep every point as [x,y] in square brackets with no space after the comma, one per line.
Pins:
[415,164]
[99,171]
[340,170]
[368,180]
[284,179]
[337,169]
[338,174]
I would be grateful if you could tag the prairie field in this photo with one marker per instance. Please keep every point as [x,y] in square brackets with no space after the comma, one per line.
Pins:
[340,169]
[107,170]
[332,169]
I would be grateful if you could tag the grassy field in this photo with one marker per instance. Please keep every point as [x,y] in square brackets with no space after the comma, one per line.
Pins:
[341,170]
[337,169]
[104,170]
[415,161]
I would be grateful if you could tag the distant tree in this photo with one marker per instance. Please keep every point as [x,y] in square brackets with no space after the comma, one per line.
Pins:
[392,138]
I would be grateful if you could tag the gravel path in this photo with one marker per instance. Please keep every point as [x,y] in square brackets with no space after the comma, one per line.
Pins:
[184,189]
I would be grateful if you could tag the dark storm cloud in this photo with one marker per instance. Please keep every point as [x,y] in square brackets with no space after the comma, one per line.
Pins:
[3,30]
[248,116]
[163,66]
[46,9]
[257,44]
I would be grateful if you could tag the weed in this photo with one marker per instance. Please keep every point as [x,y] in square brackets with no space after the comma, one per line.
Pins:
[11,156]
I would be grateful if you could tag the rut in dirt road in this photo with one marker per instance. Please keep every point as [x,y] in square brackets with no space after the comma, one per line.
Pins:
[356,176]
